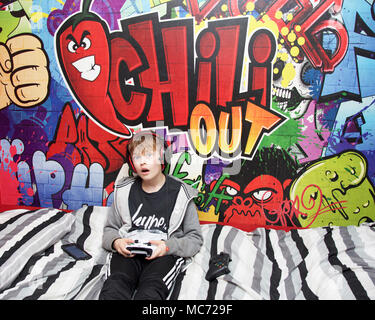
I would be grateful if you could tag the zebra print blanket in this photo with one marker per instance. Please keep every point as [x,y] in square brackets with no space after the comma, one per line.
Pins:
[319,263]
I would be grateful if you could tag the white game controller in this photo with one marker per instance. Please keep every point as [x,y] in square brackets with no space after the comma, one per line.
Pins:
[142,238]
[137,247]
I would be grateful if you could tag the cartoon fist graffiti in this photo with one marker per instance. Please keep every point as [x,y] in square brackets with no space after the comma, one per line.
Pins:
[24,72]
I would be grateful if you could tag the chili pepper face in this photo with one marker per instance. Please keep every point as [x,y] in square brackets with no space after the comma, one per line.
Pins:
[85,57]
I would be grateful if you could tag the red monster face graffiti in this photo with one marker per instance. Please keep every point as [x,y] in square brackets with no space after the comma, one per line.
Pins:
[255,203]
[257,196]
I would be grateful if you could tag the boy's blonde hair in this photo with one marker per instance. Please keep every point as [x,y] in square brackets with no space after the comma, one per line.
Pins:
[148,140]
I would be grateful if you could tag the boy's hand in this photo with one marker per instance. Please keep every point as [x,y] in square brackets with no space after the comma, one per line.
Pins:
[120,246]
[160,250]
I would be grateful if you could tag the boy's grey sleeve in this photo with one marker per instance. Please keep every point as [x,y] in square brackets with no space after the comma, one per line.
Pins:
[188,239]
[111,229]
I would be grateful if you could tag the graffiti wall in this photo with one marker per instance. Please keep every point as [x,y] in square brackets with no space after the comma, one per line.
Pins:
[267,105]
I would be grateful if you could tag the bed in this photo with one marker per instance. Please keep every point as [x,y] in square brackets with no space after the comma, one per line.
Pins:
[266,264]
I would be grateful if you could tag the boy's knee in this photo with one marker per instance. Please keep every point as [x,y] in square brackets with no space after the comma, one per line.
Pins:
[118,286]
[152,290]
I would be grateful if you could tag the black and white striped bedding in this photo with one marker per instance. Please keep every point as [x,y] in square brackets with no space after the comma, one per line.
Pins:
[24,233]
[319,263]
[53,274]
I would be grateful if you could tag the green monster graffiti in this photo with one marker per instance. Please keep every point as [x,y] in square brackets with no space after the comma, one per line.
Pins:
[7,25]
[334,191]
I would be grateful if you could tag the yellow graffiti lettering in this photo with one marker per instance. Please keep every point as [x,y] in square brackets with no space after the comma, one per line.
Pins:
[235,142]
[202,115]
[227,135]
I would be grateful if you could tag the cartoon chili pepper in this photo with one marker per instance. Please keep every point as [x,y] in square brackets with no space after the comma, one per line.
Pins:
[84,56]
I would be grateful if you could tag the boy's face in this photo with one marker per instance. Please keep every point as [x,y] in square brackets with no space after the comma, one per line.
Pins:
[146,162]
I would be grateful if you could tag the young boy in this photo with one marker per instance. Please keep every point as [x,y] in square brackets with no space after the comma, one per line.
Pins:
[152,202]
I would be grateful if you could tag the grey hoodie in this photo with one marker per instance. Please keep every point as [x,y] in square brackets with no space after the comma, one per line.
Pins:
[184,233]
